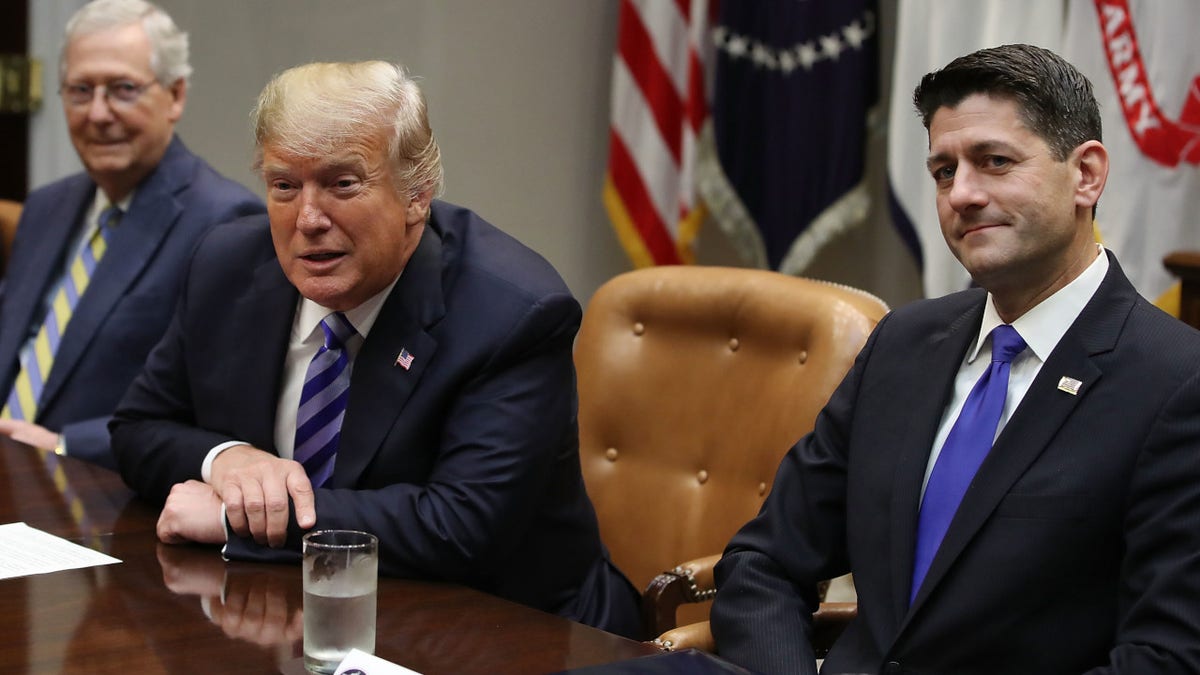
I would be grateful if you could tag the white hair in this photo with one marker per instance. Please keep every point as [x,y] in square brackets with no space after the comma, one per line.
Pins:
[168,44]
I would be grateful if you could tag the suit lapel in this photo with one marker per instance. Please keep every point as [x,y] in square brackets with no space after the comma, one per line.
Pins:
[43,257]
[131,248]
[379,387]
[1037,419]
[940,356]
[266,311]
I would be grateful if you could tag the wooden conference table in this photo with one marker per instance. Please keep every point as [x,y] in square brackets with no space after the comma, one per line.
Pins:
[181,609]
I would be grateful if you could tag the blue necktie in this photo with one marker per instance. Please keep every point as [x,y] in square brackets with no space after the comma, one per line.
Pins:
[967,444]
[323,401]
[22,402]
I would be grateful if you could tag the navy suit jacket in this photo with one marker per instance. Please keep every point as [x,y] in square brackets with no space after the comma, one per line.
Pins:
[1075,549]
[130,299]
[465,465]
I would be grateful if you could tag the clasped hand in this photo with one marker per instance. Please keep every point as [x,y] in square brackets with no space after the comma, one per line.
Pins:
[254,486]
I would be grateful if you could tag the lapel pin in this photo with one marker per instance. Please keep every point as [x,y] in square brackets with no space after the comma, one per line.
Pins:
[404,360]
[1069,385]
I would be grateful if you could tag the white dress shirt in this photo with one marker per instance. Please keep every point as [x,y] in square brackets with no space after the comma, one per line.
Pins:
[1041,328]
[306,338]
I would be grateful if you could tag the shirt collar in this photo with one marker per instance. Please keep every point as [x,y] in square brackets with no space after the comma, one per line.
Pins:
[100,202]
[1045,324]
[361,317]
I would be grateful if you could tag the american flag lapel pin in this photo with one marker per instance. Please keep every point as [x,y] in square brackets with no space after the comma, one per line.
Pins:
[1069,385]
[404,360]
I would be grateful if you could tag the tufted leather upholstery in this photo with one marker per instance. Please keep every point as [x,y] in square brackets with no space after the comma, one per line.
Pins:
[10,213]
[693,383]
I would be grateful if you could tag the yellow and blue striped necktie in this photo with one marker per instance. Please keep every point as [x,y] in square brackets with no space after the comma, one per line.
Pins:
[22,403]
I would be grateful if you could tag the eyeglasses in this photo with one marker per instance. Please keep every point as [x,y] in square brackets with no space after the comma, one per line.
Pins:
[121,92]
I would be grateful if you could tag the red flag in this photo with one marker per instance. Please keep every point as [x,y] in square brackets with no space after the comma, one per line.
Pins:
[658,107]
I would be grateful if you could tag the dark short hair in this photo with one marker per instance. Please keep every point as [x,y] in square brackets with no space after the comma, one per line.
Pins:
[1055,101]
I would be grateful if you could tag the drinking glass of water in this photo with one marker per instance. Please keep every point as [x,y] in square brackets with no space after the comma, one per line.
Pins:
[341,574]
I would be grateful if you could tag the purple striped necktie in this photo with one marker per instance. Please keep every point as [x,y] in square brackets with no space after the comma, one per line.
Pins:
[323,401]
[967,444]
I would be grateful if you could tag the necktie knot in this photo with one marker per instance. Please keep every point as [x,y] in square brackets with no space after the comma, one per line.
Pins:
[110,216]
[338,330]
[1006,343]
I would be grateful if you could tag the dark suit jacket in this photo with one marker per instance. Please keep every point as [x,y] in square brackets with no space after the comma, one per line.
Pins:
[466,465]
[129,301]
[1076,548]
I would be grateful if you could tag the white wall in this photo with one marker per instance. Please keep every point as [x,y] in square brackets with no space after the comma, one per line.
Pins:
[518,93]
[51,155]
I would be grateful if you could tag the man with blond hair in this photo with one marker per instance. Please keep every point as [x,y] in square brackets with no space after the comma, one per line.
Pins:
[98,256]
[371,358]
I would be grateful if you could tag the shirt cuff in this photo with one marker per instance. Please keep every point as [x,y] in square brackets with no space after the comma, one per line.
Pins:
[206,467]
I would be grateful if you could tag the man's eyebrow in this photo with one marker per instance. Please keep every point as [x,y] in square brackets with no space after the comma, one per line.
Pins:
[985,147]
[352,162]
[337,164]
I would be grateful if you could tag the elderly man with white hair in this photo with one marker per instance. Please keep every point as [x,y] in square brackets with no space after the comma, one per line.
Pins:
[98,258]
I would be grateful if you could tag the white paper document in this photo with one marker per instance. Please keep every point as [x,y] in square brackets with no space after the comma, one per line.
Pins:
[358,662]
[25,550]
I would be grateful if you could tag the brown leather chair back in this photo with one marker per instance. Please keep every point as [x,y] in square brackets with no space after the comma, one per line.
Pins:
[10,213]
[693,384]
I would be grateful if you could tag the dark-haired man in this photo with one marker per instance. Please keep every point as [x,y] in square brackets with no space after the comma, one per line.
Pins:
[1034,512]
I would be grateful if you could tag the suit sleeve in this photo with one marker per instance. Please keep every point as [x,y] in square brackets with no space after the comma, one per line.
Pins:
[1158,624]
[504,433]
[155,440]
[767,577]
[89,438]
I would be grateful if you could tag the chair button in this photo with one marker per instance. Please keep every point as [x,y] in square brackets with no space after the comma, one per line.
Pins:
[762,489]
[803,356]
[702,476]
[611,454]
[639,328]
[733,344]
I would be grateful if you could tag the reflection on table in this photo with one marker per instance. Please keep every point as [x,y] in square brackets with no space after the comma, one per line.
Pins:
[179,609]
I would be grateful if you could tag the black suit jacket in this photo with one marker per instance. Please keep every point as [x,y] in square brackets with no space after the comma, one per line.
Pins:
[1075,549]
[129,301]
[465,465]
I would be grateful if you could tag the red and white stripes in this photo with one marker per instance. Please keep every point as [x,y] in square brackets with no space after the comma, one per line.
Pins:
[658,107]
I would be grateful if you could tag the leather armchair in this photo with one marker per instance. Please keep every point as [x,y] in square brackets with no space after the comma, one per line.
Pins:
[693,384]
[10,213]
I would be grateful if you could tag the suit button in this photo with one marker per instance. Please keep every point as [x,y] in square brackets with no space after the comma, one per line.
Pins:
[893,668]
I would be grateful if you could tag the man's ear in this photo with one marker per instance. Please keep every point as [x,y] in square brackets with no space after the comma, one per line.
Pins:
[1090,160]
[178,93]
[418,207]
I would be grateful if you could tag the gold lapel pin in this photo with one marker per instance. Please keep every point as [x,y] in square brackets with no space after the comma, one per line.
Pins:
[1069,385]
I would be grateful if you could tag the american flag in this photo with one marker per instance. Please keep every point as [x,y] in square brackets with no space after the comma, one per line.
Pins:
[404,360]
[658,108]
